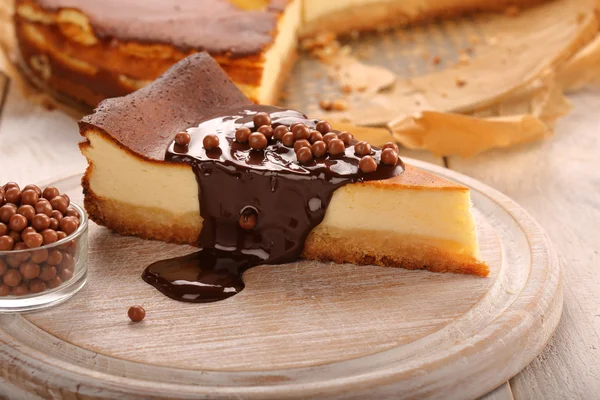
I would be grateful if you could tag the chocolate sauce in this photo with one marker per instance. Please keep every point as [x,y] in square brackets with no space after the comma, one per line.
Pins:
[289,200]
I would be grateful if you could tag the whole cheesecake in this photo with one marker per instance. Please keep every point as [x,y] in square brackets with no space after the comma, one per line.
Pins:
[92,50]
[345,201]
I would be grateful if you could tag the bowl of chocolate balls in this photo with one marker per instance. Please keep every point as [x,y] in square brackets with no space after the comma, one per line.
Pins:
[43,247]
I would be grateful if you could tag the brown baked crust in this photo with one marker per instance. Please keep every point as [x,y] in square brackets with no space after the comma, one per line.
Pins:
[146,121]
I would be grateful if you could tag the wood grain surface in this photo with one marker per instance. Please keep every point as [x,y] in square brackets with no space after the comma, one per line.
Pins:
[567,207]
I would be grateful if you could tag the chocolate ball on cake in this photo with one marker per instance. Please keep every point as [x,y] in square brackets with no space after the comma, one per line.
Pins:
[279,132]
[389,156]
[367,164]
[258,141]
[329,137]
[183,139]
[336,147]
[266,130]
[323,127]
[362,148]
[210,142]
[319,148]
[304,155]
[301,143]
[242,134]
[346,137]
[260,119]
[288,139]
[248,219]
[315,136]
[301,131]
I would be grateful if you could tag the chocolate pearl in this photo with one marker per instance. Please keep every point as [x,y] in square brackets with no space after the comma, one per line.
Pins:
[300,144]
[49,236]
[61,235]
[137,313]
[301,131]
[50,192]
[68,262]
[14,260]
[346,137]
[257,141]
[362,148]
[4,290]
[242,134]
[71,212]
[329,137]
[21,246]
[183,138]
[12,195]
[11,185]
[367,164]
[288,139]
[59,203]
[18,223]
[35,188]
[6,243]
[54,224]
[53,283]
[43,207]
[7,211]
[323,127]
[40,222]
[279,132]
[29,270]
[248,219]
[66,197]
[20,290]
[39,256]
[65,274]
[319,148]
[292,126]
[54,257]
[16,237]
[210,142]
[12,278]
[57,215]
[261,119]
[33,240]
[336,147]
[391,145]
[68,224]
[29,229]
[266,130]
[3,229]
[389,156]
[315,136]
[304,155]
[27,211]
[29,197]
[37,286]
[47,272]
[2,196]
[3,267]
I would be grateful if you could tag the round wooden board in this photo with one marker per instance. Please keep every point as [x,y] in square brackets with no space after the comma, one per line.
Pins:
[300,330]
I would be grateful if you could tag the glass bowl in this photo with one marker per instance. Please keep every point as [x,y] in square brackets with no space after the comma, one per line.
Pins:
[60,276]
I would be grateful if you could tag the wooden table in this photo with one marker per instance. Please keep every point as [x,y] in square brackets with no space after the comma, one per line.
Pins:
[557,181]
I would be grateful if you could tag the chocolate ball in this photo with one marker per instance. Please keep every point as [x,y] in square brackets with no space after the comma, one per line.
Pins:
[336,147]
[315,136]
[27,211]
[65,274]
[288,139]
[11,185]
[367,164]
[29,229]
[279,132]
[248,219]
[329,137]
[39,256]
[210,142]
[301,131]
[54,257]
[61,235]
[242,134]
[68,262]
[6,243]
[20,290]
[391,145]
[53,283]
[260,119]
[2,196]
[60,203]
[29,197]
[69,225]
[266,130]
[346,137]
[71,212]
[12,278]
[12,195]
[6,212]
[16,237]
[3,267]
[49,235]
[18,223]
[33,240]
[43,206]
[54,224]
[137,313]
[50,192]
[29,270]
[37,286]
[258,141]
[362,148]
[319,148]
[304,155]
[183,138]
[300,144]
[57,215]
[323,127]
[389,156]
[4,290]
[47,272]
[40,222]
[35,188]
[3,229]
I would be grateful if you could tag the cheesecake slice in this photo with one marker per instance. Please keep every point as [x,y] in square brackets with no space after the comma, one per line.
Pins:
[139,183]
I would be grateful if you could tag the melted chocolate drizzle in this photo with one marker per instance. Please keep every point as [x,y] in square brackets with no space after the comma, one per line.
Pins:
[289,198]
